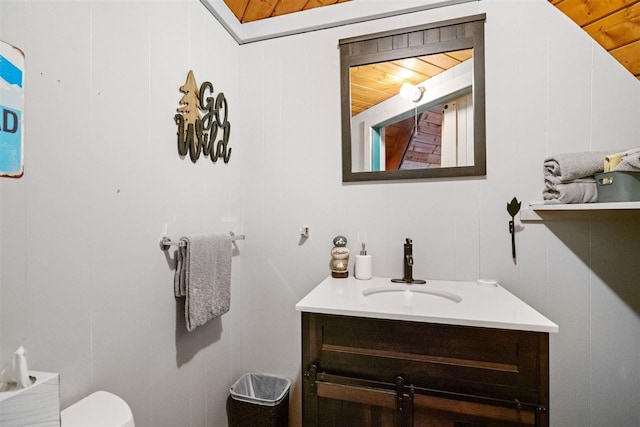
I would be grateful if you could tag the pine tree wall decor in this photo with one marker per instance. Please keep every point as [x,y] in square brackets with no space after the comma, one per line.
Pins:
[200,119]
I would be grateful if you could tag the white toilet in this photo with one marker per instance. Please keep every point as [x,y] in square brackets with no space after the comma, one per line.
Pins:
[100,409]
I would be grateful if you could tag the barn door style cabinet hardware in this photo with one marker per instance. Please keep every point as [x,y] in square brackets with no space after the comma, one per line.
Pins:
[389,373]
[198,133]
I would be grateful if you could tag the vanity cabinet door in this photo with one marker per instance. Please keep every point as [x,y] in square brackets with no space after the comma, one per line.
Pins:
[430,411]
[458,376]
[341,405]
[349,404]
[501,364]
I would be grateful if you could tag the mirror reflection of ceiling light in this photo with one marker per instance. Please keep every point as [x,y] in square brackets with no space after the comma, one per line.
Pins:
[411,92]
[404,74]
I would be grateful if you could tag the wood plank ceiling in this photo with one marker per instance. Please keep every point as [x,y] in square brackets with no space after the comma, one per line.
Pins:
[254,10]
[614,24]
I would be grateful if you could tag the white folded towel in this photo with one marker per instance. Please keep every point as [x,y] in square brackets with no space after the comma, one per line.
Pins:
[203,276]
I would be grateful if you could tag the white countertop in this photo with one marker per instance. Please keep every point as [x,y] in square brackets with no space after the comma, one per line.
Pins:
[481,306]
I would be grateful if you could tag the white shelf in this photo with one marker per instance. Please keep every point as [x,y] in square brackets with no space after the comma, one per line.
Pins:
[531,214]
[584,206]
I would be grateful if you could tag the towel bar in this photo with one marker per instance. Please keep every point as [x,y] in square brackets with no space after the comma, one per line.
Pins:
[166,242]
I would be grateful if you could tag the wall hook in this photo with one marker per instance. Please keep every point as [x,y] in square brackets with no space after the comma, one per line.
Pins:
[513,208]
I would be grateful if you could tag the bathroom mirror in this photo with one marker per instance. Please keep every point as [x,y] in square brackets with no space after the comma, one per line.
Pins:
[413,102]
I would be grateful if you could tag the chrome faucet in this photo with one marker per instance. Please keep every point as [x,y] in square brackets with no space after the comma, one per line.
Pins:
[407,268]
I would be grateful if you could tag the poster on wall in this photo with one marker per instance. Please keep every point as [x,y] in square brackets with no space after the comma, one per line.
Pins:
[11,108]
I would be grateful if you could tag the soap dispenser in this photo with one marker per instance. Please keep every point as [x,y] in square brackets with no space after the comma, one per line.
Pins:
[364,265]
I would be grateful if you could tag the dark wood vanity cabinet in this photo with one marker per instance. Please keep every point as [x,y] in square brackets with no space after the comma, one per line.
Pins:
[387,373]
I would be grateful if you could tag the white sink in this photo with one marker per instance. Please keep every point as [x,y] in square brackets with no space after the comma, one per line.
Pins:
[482,303]
[411,295]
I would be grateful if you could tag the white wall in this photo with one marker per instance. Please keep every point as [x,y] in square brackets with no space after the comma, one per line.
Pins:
[550,89]
[85,287]
[87,291]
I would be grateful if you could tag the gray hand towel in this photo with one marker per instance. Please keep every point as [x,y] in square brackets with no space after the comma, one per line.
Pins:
[571,166]
[203,276]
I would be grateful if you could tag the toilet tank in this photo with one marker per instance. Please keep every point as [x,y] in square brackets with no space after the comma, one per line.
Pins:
[100,409]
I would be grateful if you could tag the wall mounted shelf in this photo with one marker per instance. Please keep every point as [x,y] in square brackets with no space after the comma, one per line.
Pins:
[534,209]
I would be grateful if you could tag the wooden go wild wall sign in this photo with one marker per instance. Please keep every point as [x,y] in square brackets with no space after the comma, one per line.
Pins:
[201,119]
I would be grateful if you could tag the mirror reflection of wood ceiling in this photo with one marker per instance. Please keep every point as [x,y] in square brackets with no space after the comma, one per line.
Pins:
[614,24]
[374,83]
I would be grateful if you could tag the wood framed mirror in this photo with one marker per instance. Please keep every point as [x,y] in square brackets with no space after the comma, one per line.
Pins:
[413,102]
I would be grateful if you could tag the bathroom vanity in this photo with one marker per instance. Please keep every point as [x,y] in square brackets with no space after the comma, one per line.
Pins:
[445,354]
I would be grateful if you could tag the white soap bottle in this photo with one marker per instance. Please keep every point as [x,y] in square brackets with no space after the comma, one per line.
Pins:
[364,267]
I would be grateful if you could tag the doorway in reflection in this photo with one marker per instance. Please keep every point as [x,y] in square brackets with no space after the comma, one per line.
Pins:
[415,142]
[435,136]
